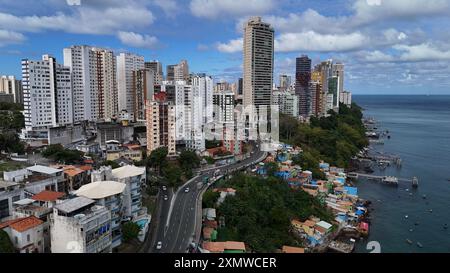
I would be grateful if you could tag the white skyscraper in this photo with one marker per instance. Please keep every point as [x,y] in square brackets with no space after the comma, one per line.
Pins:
[127,64]
[47,97]
[94,82]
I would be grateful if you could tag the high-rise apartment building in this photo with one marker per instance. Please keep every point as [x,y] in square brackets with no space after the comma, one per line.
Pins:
[178,72]
[94,82]
[285,82]
[223,107]
[11,86]
[287,102]
[338,71]
[157,70]
[258,63]
[302,80]
[48,101]
[127,64]
[161,124]
[143,90]
[346,98]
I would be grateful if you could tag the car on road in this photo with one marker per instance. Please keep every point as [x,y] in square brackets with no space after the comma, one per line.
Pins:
[159,245]
[166,198]
[164,188]
[186,190]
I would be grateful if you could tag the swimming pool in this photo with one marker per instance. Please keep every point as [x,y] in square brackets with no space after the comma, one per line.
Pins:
[142,222]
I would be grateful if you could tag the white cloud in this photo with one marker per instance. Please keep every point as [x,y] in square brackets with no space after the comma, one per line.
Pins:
[366,12]
[216,9]
[85,19]
[137,40]
[232,46]
[312,41]
[378,56]
[422,52]
[10,37]
[168,6]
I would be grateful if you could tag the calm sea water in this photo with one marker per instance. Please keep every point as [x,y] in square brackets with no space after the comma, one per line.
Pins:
[420,134]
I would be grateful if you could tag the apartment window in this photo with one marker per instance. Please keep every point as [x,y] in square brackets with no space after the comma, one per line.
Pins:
[16,240]
[28,237]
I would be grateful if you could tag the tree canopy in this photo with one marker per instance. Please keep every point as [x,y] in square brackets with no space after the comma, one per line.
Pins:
[59,154]
[130,231]
[6,245]
[334,139]
[261,212]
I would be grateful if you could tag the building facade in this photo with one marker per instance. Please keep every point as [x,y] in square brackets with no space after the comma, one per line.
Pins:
[94,82]
[48,102]
[258,63]
[127,65]
[11,86]
[302,80]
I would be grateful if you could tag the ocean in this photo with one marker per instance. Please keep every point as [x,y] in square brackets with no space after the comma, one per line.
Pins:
[420,134]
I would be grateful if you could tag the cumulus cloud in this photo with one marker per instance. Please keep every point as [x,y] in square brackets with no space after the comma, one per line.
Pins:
[137,40]
[422,52]
[216,9]
[85,19]
[10,37]
[232,46]
[312,41]
[168,6]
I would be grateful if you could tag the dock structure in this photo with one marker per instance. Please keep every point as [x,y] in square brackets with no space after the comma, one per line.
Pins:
[390,180]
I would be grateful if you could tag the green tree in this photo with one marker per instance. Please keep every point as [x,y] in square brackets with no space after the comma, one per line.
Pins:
[130,231]
[173,175]
[10,142]
[6,245]
[158,159]
[113,164]
[210,199]
[59,154]
[189,160]
[272,168]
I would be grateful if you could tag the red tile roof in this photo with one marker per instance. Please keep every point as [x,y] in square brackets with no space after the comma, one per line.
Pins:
[26,224]
[23,224]
[85,168]
[47,196]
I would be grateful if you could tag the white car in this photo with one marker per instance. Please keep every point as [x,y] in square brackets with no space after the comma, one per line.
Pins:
[164,188]
[186,190]
[159,245]
[166,198]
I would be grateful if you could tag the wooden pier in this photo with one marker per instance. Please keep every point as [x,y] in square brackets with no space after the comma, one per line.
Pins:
[390,180]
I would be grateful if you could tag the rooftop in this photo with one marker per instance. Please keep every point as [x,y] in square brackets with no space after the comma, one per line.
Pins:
[47,196]
[74,204]
[128,171]
[22,224]
[99,190]
[43,169]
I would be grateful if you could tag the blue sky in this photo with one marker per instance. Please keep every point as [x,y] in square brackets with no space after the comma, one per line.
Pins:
[388,46]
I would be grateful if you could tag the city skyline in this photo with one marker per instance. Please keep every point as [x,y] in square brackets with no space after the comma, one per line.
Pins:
[400,54]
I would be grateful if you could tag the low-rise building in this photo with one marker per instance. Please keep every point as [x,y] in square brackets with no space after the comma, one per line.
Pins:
[26,234]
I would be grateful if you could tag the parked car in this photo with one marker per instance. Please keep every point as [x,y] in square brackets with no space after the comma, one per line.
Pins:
[159,245]
[186,190]
[166,198]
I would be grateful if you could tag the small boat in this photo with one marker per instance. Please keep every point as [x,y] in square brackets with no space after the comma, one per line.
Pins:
[445,226]
[416,223]
[411,230]
[424,196]
[431,210]
[409,241]
[419,244]
[406,216]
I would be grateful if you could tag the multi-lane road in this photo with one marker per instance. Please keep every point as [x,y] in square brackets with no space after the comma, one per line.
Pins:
[178,218]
